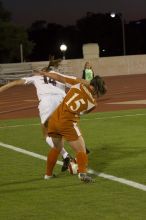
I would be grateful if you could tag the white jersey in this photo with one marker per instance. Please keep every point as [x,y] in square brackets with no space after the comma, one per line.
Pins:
[49,96]
[44,89]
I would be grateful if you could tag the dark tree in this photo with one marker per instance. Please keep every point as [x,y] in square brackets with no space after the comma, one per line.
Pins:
[10,39]
[46,39]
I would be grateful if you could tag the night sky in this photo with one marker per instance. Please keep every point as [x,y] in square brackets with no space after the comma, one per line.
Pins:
[66,12]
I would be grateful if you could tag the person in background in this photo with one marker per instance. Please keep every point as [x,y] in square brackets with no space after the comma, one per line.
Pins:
[88,73]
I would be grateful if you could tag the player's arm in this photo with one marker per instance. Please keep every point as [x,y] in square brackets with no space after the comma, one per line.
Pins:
[63,78]
[12,84]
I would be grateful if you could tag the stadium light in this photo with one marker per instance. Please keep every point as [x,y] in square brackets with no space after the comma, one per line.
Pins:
[113,15]
[63,49]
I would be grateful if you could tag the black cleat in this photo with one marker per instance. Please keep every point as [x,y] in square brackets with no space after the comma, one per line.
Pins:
[66,163]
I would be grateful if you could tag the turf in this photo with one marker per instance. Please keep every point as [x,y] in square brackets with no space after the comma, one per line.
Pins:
[117,146]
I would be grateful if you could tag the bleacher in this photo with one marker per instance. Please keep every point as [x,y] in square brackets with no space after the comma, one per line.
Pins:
[13,71]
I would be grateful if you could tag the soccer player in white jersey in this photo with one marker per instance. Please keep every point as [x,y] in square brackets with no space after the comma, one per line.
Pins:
[50,93]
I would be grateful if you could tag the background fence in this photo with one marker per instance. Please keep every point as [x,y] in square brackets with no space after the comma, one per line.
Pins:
[105,66]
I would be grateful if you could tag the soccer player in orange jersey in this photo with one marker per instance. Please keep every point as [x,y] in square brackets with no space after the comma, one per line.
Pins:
[81,98]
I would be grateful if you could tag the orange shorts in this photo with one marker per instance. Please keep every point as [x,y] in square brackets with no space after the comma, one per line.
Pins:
[61,128]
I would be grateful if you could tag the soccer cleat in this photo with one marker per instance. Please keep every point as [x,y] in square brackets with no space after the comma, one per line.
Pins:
[66,162]
[46,177]
[86,179]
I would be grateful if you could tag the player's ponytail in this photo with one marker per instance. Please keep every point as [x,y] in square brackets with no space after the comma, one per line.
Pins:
[99,85]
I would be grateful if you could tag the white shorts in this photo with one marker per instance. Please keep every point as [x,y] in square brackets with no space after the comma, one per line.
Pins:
[48,105]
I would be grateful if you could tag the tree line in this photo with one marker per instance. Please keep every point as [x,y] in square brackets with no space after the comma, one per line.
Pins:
[42,39]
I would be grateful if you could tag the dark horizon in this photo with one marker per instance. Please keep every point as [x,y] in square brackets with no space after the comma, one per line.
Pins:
[67,13]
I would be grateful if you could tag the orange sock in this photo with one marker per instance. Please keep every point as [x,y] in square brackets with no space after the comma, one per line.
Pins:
[51,160]
[82,161]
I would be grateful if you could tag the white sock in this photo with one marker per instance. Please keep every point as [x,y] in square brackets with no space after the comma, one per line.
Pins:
[63,153]
[50,143]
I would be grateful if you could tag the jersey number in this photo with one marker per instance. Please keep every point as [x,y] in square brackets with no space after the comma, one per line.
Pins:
[75,103]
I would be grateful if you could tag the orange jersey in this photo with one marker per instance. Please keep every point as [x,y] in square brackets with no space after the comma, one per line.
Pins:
[77,101]
[63,121]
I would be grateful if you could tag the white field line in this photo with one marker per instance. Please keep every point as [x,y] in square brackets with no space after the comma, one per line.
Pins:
[120,180]
[23,151]
[15,126]
[113,117]
[103,175]
[83,119]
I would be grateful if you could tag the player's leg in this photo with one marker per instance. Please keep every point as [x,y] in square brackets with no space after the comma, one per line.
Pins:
[52,156]
[82,159]
[78,146]
[63,152]
[66,157]
[73,135]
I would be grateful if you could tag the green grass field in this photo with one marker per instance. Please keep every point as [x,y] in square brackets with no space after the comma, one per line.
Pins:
[117,141]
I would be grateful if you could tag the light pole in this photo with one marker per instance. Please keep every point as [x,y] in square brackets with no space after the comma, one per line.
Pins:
[113,15]
[21,52]
[63,49]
